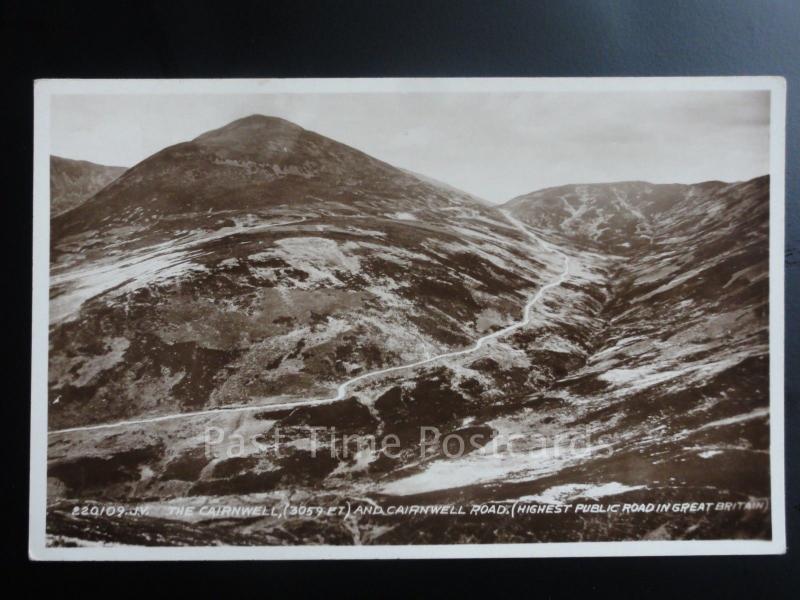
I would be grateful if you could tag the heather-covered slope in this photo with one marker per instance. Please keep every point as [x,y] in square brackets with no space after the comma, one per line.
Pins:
[612,217]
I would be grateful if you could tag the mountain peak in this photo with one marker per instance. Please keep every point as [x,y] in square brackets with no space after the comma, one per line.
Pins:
[253,126]
[255,162]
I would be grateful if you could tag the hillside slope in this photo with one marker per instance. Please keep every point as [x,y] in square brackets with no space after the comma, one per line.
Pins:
[72,182]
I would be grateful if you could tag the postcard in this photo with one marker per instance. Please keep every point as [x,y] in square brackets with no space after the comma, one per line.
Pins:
[407,318]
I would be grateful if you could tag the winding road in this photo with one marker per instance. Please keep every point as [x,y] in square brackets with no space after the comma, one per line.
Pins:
[341,391]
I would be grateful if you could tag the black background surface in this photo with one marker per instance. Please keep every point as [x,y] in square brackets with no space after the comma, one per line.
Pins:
[389,39]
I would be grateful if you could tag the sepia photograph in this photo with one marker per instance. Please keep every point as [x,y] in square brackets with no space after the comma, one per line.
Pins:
[405,318]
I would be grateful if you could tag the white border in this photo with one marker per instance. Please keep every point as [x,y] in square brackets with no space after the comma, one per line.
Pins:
[44,89]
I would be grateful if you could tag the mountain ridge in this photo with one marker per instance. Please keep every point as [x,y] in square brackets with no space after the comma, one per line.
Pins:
[73,182]
[623,216]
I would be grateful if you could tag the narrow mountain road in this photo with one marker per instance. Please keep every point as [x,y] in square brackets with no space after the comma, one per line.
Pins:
[479,343]
[342,390]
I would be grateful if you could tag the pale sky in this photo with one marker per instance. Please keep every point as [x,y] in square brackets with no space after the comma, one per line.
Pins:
[495,146]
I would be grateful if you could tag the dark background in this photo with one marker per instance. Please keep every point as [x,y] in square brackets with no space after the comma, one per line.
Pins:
[389,39]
